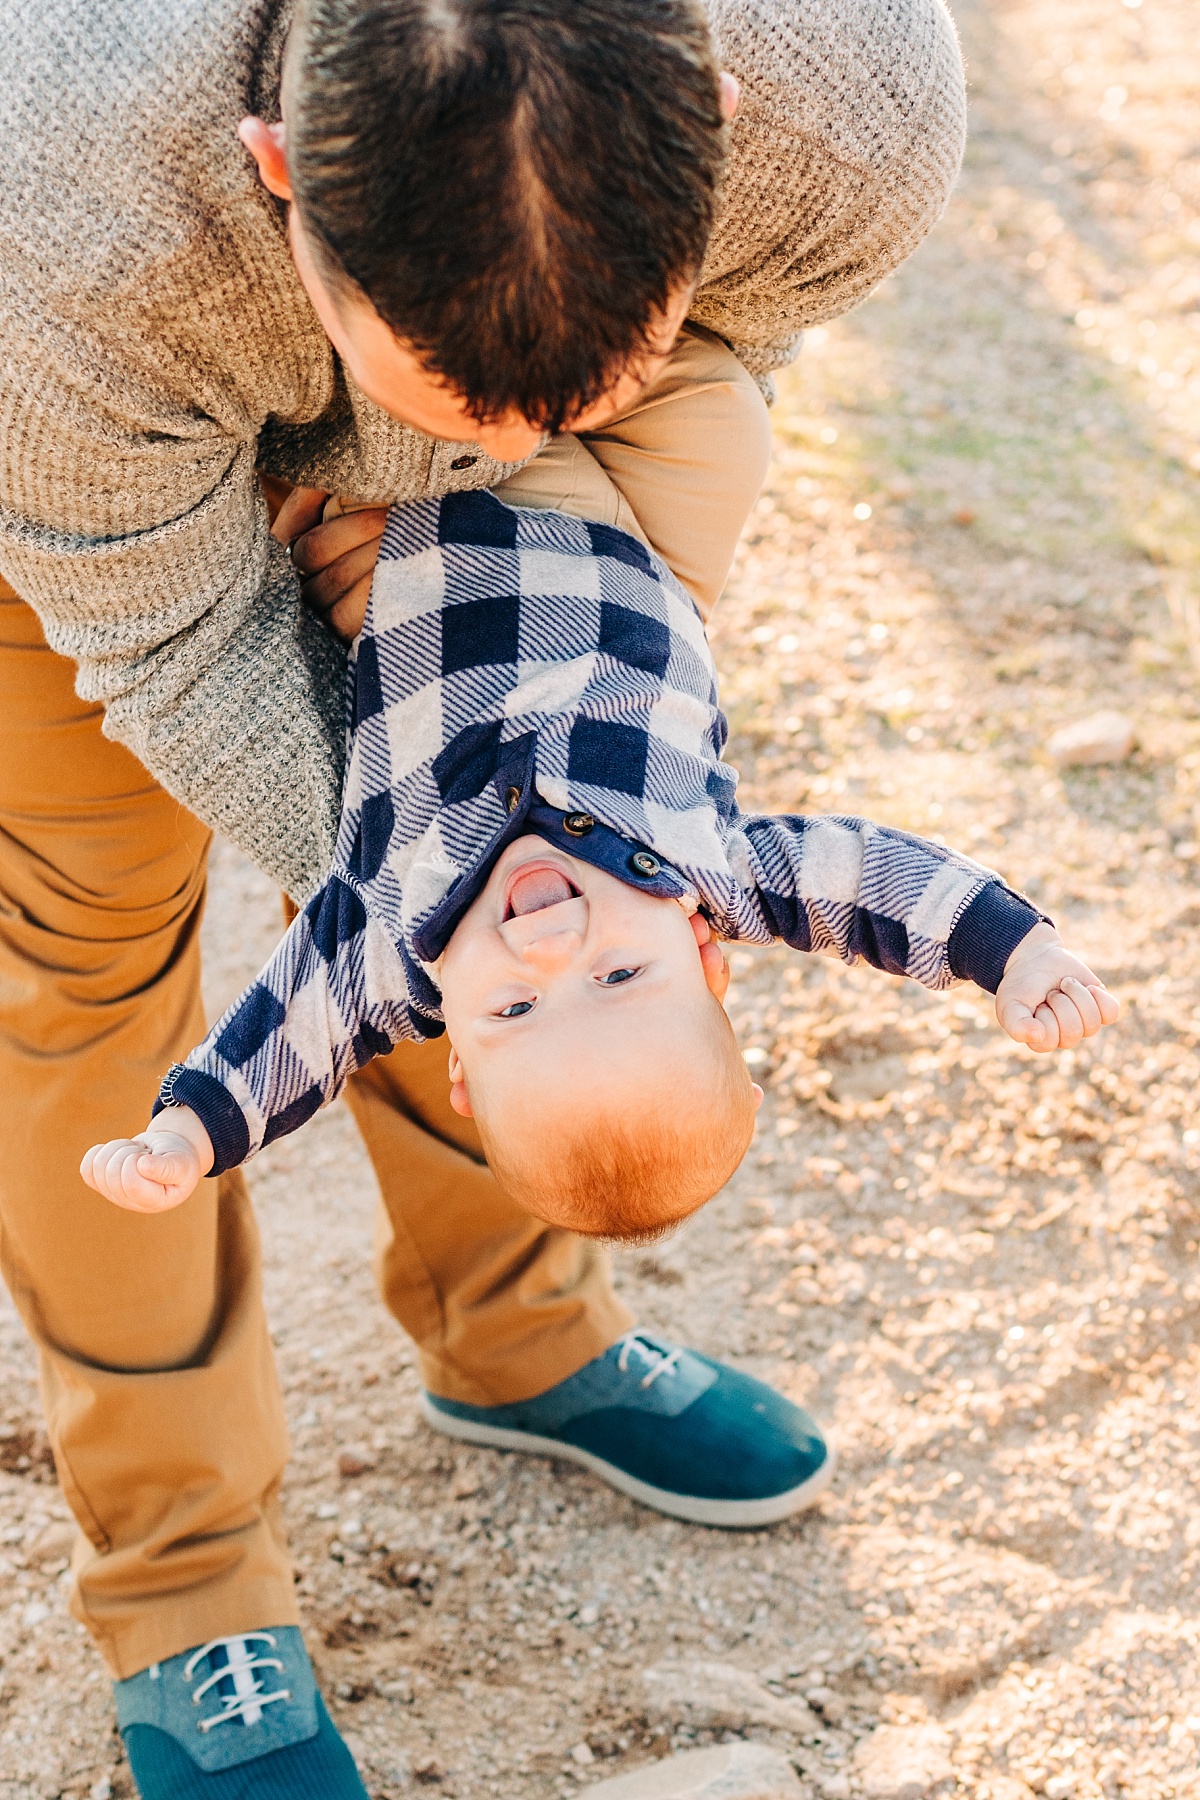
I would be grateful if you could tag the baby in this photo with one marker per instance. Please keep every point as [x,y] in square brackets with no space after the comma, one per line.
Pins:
[540,849]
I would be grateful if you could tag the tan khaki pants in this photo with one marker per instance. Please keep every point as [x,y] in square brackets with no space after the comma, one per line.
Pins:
[158,1379]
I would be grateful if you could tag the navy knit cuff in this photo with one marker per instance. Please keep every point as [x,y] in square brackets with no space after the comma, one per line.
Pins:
[987,934]
[216,1109]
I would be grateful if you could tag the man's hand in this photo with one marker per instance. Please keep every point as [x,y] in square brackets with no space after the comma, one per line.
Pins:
[333,552]
[1048,999]
[156,1171]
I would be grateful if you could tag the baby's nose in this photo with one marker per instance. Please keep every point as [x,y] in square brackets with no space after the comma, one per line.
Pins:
[553,951]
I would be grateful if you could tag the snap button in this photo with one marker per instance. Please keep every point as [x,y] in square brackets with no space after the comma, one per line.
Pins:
[512,799]
[642,863]
[578,824]
[464,462]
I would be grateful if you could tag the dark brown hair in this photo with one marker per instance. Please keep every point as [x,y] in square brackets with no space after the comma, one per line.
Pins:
[518,187]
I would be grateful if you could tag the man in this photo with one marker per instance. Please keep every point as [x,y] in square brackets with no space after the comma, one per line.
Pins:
[478,221]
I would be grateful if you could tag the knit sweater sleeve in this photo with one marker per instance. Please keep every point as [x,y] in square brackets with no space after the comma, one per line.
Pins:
[333,996]
[191,634]
[846,144]
[848,888]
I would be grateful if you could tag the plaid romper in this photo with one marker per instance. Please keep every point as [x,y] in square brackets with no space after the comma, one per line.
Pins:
[524,671]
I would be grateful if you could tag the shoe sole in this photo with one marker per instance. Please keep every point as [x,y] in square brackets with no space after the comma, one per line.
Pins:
[732,1514]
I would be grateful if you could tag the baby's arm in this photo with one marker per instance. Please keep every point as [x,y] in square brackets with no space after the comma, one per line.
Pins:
[334,995]
[850,887]
[156,1171]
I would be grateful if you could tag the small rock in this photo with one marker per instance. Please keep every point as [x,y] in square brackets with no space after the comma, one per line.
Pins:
[728,1772]
[903,1762]
[354,1462]
[1105,737]
[964,515]
[1008,1787]
[581,1754]
[831,1706]
[712,1696]
[57,1541]
[396,1690]
[101,1789]
[428,1770]
[34,1613]
[835,1787]
[1060,1787]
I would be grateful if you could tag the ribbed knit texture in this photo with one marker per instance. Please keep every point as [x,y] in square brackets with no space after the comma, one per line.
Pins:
[156,345]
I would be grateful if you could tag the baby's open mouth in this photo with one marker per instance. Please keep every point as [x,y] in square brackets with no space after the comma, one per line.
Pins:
[534,888]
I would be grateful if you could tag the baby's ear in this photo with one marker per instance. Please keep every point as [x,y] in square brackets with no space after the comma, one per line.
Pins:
[712,957]
[459,1098]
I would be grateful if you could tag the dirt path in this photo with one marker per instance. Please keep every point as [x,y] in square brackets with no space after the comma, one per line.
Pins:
[981,1268]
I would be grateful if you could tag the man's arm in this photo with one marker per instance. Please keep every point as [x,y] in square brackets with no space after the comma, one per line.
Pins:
[191,634]
[846,144]
[334,995]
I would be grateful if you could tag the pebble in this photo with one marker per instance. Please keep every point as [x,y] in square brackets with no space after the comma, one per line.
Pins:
[354,1462]
[1104,737]
[713,1696]
[728,1772]
[58,1540]
[903,1762]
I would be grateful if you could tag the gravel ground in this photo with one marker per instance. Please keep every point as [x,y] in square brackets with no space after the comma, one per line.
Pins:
[979,1267]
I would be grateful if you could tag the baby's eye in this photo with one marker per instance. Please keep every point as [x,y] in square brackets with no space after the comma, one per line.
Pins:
[516,1010]
[616,976]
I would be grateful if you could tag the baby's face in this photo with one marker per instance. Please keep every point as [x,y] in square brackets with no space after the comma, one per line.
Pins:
[560,974]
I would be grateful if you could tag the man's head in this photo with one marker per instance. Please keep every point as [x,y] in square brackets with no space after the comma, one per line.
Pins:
[591,1046]
[510,199]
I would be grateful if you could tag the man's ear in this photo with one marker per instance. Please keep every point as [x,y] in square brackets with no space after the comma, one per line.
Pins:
[266,145]
[459,1098]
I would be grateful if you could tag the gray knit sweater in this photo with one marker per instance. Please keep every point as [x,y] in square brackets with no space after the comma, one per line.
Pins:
[156,348]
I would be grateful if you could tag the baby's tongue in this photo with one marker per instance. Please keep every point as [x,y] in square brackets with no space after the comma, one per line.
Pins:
[538,888]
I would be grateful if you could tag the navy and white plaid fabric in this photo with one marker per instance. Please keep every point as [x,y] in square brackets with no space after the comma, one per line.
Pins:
[514,661]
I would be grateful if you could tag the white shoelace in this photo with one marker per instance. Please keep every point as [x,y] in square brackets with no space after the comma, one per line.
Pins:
[247,1699]
[660,1362]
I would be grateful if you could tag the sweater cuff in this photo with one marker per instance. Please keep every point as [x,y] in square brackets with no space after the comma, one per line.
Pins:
[216,1109]
[987,933]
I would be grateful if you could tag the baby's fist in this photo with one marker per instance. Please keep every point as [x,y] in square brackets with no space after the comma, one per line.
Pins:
[153,1172]
[1048,999]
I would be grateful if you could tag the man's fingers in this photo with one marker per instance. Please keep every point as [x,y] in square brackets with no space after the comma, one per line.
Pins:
[323,590]
[299,513]
[324,544]
[348,615]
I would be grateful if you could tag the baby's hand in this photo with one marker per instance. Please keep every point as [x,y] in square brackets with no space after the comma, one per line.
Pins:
[1048,999]
[153,1172]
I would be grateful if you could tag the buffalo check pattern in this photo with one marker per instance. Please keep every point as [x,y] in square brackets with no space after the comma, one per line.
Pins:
[515,660]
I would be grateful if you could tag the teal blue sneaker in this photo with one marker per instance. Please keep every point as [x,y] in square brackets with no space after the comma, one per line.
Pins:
[673,1429]
[237,1716]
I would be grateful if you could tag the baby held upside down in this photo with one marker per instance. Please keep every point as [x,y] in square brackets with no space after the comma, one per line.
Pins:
[541,854]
